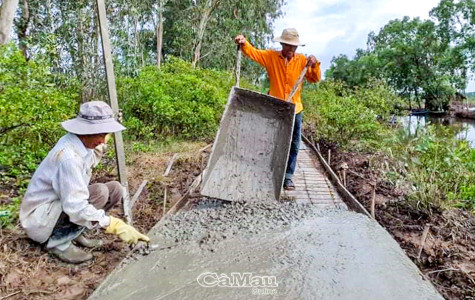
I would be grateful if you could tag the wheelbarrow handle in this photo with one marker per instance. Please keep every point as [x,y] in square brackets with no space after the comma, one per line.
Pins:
[238,65]
[296,85]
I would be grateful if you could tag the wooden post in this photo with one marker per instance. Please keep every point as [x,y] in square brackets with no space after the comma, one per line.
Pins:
[238,65]
[423,240]
[164,201]
[118,141]
[169,168]
[329,156]
[373,200]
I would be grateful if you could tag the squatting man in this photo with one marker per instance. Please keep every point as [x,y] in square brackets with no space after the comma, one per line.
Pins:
[60,204]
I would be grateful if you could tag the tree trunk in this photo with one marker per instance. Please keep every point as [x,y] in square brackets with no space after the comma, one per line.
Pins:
[7,13]
[205,16]
[160,33]
[22,27]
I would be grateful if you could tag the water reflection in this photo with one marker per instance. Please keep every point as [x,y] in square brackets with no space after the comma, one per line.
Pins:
[414,123]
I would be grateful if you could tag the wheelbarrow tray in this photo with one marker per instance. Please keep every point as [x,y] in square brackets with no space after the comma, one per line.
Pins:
[250,152]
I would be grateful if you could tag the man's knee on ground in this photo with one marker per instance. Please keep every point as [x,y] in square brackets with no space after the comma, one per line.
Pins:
[98,195]
[116,192]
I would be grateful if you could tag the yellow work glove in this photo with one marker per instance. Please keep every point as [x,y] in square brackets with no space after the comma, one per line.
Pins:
[125,232]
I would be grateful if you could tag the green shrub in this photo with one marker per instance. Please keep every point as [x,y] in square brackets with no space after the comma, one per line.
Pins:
[176,100]
[440,167]
[345,116]
[31,109]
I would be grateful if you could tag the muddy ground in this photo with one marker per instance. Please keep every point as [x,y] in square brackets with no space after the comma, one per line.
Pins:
[448,255]
[28,272]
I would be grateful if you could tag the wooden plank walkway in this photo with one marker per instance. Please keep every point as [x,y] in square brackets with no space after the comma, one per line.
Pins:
[311,184]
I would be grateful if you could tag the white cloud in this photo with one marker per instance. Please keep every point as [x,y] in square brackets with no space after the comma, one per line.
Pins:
[329,27]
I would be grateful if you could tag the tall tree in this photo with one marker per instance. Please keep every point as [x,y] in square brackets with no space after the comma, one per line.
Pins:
[7,13]
[204,11]
[413,58]
[457,25]
[22,26]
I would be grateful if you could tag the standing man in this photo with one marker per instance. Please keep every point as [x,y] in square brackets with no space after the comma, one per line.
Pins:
[283,68]
[59,202]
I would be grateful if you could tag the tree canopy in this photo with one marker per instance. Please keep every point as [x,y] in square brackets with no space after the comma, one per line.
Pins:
[425,61]
[66,34]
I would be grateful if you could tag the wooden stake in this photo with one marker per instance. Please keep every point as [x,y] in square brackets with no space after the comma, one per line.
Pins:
[329,156]
[423,240]
[167,171]
[137,194]
[118,142]
[373,199]
[164,201]
[180,203]
[205,148]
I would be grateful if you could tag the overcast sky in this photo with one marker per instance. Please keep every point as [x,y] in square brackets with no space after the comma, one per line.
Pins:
[333,27]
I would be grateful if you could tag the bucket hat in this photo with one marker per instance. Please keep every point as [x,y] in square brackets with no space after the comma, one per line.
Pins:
[289,36]
[94,117]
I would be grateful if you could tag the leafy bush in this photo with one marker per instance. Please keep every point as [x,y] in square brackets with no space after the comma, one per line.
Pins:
[175,100]
[348,117]
[31,109]
[440,167]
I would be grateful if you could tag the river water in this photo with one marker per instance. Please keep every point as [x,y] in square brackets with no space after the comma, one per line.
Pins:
[413,123]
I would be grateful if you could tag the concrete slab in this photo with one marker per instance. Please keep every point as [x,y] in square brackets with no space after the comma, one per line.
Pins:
[303,252]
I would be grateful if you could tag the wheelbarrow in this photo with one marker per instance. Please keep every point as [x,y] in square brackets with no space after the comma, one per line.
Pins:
[251,149]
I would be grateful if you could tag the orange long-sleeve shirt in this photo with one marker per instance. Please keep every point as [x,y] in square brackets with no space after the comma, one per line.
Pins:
[283,74]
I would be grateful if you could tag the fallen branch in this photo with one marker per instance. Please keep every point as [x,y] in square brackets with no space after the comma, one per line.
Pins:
[9,295]
[5,129]
[356,174]
[443,270]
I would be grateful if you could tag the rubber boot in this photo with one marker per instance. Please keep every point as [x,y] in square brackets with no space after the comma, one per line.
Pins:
[88,243]
[289,185]
[72,254]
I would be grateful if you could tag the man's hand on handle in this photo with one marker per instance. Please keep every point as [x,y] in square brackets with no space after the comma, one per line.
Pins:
[311,61]
[240,39]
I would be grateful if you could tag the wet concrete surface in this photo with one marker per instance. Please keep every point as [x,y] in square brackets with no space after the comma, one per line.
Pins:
[303,253]
[246,163]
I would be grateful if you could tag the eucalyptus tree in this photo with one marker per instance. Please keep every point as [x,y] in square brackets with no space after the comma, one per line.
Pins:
[7,13]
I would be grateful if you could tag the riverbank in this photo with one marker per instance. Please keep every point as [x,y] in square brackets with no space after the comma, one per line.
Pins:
[446,255]
[463,110]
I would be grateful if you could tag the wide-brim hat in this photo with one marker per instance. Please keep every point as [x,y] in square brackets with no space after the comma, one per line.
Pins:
[289,36]
[94,117]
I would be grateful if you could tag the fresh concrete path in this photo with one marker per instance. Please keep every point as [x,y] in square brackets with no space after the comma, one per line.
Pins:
[313,253]
[333,255]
